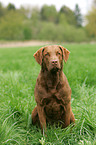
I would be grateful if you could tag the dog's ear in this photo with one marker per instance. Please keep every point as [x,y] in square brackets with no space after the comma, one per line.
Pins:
[65,53]
[38,55]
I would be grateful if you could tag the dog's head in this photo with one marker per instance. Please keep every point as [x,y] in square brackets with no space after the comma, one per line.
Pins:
[51,57]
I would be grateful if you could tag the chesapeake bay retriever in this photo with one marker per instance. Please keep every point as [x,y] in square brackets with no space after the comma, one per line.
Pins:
[52,91]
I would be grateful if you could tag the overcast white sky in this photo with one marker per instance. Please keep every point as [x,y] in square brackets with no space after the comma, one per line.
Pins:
[84,5]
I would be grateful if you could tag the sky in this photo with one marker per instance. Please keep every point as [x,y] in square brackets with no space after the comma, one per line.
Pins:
[84,5]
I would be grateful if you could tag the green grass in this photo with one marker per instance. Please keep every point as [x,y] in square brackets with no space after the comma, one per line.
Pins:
[18,73]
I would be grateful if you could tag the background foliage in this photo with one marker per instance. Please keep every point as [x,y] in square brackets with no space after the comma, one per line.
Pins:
[46,23]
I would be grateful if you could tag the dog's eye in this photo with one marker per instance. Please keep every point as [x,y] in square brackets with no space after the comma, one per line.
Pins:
[47,54]
[58,53]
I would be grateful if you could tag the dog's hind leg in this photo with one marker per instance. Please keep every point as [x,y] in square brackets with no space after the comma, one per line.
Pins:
[72,119]
[35,118]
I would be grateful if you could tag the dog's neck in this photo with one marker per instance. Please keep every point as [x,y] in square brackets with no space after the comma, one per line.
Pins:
[52,78]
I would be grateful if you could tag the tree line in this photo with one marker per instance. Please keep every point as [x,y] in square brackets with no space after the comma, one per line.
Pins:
[46,23]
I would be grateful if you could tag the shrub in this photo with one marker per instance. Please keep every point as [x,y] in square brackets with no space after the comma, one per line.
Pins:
[53,32]
[11,26]
[15,26]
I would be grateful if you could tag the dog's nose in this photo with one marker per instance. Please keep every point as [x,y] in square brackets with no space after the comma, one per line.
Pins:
[54,62]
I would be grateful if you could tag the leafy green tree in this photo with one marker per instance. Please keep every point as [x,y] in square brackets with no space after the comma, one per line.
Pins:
[2,10]
[69,15]
[26,11]
[11,6]
[62,19]
[11,26]
[78,16]
[35,16]
[45,24]
[91,22]
[49,13]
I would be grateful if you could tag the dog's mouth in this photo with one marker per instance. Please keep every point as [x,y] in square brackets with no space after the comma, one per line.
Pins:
[54,69]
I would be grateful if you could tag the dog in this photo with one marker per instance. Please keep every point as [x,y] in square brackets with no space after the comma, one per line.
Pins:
[52,91]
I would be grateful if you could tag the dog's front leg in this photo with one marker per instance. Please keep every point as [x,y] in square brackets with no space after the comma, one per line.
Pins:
[42,118]
[66,117]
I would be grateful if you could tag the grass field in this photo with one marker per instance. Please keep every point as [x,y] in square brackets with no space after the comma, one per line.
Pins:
[18,73]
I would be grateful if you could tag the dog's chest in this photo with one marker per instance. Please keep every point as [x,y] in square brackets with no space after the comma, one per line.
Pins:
[53,107]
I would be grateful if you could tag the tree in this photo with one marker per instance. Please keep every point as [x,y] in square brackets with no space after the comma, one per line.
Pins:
[78,16]
[91,21]
[26,11]
[11,26]
[11,6]
[35,16]
[68,14]
[62,19]
[2,10]
[49,13]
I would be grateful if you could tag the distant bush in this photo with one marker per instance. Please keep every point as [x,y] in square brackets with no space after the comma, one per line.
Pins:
[47,31]
[72,34]
[58,32]
[44,24]
[14,27]
[27,31]
[11,26]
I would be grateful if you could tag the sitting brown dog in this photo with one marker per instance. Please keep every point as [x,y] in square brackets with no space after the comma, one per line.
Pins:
[52,91]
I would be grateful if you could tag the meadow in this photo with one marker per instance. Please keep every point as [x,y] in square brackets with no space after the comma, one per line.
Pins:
[18,73]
